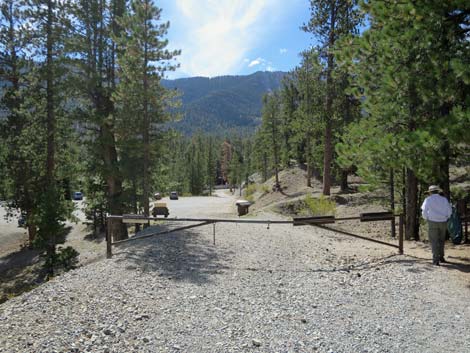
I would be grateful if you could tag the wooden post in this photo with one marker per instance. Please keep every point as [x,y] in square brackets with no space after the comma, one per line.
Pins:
[213,231]
[392,201]
[466,214]
[400,234]
[109,251]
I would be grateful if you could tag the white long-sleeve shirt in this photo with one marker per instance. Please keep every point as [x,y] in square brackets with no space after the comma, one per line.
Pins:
[436,208]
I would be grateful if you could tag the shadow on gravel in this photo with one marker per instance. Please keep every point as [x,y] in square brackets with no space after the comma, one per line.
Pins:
[182,255]
[94,237]
[21,258]
[465,268]
[20,272]
[412,260]
[409,262]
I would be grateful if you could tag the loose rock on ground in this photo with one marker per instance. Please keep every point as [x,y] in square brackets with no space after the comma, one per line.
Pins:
[286,289]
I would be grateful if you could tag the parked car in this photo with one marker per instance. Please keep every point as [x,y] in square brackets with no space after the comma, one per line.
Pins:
[173,195]
[77,195]
[158,196]
[22,221]
[160,209]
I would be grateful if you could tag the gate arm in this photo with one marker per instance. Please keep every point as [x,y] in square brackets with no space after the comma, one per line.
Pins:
[160,233]
[355,235]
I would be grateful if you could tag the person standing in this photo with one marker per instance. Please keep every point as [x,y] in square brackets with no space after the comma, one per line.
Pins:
[436,210]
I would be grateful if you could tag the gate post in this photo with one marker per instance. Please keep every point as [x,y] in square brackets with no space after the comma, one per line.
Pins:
[109,251]
[400,234]
[213,231]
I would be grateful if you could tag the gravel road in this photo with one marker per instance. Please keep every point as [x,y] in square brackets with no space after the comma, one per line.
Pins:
[11,236]
[222,204]
[283,289]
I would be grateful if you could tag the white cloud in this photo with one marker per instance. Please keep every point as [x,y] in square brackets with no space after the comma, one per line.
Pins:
[255,62]
[219,33]
[283,51]
[262,63]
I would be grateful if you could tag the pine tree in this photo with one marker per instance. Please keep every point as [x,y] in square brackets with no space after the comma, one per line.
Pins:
[271,128]
[43,106]
[309,123]
[142,62]
[330,20]
[409,68]
[17,174]
[93,54]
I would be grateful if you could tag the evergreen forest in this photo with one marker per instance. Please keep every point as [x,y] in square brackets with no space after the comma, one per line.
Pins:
[382,92]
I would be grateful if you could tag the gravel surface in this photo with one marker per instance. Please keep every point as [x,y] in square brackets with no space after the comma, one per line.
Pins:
[283,289]
[11,236]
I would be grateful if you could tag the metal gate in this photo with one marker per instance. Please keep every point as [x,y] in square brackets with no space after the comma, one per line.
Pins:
[319,222]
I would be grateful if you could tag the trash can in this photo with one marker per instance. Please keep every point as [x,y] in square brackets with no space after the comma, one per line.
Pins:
[242,207]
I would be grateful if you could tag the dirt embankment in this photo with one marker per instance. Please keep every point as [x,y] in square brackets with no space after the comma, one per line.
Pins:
[290,203]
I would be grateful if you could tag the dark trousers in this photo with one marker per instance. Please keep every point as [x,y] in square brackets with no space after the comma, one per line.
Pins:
[437,237]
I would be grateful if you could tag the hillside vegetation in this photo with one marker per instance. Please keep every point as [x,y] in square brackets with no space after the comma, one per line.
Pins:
[220,103]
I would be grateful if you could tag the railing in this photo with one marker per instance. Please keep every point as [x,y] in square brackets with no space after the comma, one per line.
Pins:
[313,221]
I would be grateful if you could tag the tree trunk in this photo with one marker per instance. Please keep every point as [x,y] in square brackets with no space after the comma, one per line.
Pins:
[328,154]
[444,169]
[392,199]
[50,131]
[403,192]
[412,211]
[276,155]
[328,157]
[146,133]
[32,230]
[135,203]
[50,128]
[308,160]
[265,167]
[344,180]
[210,169]
[117,230]
[308,139]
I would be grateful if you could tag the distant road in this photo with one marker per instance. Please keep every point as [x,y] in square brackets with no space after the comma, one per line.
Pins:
[218,206]
[11,236]
[221,205]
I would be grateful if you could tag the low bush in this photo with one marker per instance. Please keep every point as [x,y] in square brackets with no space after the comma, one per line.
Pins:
[264,189]
[250,198]
[250,190]
[321,206]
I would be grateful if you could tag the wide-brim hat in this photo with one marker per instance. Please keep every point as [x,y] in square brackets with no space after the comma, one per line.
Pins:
[434,188]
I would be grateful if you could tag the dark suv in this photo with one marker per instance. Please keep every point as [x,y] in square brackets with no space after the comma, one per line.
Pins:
[173,195]
[22,221]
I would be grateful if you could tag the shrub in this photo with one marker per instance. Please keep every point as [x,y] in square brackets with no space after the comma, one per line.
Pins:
[64,258]
[250,190]
[264,189]
[321,206]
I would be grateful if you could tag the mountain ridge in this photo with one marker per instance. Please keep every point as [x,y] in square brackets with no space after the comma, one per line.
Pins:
[221,103]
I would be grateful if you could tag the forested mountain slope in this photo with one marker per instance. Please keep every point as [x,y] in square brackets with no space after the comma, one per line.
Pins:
[217,104]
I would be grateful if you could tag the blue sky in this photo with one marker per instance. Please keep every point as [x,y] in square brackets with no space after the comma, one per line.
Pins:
[235,37]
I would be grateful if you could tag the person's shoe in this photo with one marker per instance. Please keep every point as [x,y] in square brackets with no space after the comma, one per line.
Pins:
[435,263]
[444,261]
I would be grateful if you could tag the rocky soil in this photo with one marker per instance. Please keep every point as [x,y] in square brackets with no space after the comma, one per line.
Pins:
[283,289]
